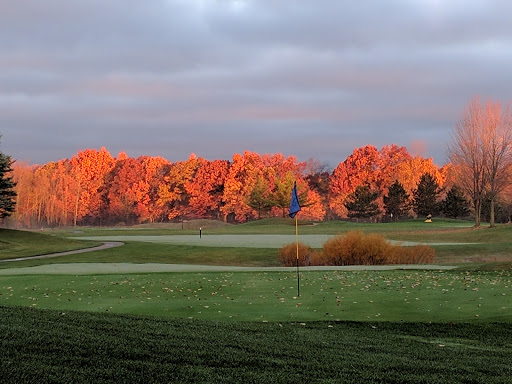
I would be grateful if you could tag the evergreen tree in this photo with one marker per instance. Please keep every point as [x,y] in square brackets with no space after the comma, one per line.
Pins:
[361,203]
[7,193]
[426,195]
[260,198]
[455,204]
[397,201]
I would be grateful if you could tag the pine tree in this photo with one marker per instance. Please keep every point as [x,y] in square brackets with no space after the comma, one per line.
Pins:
[426,195]
[260,198]
[361,203]
[397,201]
[7,192]
[455,204]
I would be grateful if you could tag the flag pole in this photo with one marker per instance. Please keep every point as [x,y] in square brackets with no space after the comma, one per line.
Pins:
[294,209]
[297,242]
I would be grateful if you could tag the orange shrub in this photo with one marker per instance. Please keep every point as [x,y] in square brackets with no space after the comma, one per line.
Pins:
[288,255]
[418,254]
[357,248]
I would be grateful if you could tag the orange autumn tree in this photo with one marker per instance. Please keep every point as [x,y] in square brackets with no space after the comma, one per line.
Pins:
[172,194]
[257,183]
[128,192]
[391,157]
[58,203]
[206,188]
[89,168]
[410,172]
[23,176]
[240,181]
[94,188]
[53,195]
[44,195]
[360,168]
[379,170]
[312,207]
[280,173]
[155,168]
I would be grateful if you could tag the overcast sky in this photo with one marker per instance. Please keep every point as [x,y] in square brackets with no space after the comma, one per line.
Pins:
[314,79]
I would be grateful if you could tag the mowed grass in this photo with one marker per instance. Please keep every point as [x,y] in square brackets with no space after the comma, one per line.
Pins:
[482,247]
[415,295]
[41,346]
[230,327]
[24,243]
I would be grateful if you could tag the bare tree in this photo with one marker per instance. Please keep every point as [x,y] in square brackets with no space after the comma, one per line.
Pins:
[498,144]
[481,152]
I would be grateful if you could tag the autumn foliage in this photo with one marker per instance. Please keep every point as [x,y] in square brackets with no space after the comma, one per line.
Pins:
[95,188]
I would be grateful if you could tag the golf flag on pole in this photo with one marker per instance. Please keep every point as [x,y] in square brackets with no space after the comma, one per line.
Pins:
[294,203]
[294,209]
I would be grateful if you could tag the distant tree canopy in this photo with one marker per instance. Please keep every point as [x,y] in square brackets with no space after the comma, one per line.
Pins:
[95,188]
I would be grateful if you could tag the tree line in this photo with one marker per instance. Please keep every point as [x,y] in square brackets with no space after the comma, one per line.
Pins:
[95,188]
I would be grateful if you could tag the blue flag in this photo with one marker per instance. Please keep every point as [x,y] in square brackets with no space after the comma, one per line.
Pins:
[294,203]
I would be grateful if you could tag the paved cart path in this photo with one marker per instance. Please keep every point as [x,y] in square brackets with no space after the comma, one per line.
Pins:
[130,268]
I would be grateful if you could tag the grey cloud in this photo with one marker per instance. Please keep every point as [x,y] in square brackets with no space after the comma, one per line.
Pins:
[311,78]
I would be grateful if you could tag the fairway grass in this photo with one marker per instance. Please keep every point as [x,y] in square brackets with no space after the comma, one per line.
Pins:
[142,318]
[14,244]
[40,346]
[396,295]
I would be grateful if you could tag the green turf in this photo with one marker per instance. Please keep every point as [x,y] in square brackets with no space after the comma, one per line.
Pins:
[437,296]
[412,326]
[24,243]
[68,347]
[139,252]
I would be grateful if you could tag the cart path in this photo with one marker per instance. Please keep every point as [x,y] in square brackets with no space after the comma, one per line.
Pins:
[131,268]
[105,245]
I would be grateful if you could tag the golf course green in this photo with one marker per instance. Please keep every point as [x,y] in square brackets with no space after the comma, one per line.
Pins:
[229,283]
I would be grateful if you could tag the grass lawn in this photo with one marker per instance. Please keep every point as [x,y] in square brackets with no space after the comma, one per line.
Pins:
[400,326]
[68,347]
[24,243]
[434,296]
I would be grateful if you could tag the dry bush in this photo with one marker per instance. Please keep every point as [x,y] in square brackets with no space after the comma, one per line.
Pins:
[357,248]
[418,254]
[317,258]
[288,255]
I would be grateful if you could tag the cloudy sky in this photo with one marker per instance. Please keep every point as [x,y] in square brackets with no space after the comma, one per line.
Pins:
[313,79]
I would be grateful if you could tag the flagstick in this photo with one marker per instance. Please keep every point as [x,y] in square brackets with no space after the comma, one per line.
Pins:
[297,241]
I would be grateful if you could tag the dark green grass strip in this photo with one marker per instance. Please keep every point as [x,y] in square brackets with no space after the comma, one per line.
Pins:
[139,252]
[22,243]
[53,347]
